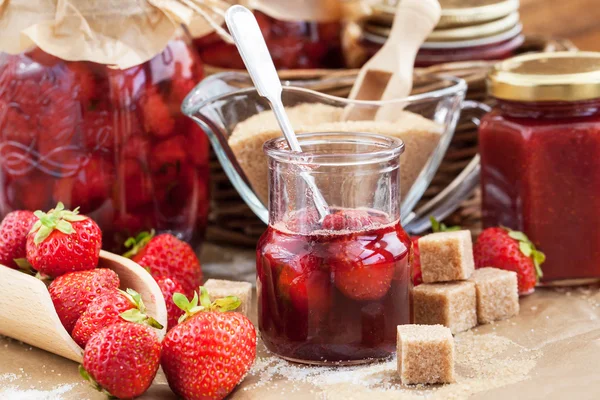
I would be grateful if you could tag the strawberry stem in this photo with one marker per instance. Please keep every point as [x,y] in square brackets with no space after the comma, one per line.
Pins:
[138,314]
[529,250]
[56,219]
[138,243]
[191,308]
[437,226]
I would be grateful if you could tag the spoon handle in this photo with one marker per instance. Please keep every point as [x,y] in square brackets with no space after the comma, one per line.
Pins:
[251,45]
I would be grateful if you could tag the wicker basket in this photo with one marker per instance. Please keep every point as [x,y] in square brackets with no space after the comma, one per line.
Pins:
[232,222]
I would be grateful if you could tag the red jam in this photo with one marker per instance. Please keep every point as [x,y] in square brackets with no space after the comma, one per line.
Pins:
[110,141]
[541,175]
[336,292]
[292,44]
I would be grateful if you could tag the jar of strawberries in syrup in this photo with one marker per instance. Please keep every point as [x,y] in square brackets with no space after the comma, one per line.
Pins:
[333,289]
[299,34]
[110,139]
[540,159]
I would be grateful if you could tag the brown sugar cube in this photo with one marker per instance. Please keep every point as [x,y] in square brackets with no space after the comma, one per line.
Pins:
[497,294]
[425,354]
[446,256]
[451,304]
[218,288]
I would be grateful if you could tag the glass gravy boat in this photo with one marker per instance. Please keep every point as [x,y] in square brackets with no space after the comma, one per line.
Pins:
[222,101]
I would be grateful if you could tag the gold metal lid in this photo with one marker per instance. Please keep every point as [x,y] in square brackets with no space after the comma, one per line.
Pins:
[455,13]
[470,12]
[563,76]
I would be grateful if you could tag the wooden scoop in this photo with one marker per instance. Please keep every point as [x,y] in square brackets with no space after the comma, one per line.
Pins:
[27,313]
[389,74]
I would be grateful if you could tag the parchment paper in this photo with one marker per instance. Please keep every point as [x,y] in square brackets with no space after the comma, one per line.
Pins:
[123,33]
[550,351]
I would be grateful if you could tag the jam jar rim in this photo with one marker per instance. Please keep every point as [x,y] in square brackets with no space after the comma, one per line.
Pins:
[390,148]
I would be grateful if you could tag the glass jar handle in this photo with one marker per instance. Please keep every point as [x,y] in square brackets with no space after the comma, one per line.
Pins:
[449,199]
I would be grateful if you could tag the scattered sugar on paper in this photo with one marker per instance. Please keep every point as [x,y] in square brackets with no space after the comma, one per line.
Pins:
[483,362]
[12,393]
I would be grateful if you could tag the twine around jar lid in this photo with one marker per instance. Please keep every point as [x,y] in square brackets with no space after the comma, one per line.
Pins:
[563,76]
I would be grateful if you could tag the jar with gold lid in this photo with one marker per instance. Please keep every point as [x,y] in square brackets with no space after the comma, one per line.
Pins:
[540,158]
[299,35]
[468,30]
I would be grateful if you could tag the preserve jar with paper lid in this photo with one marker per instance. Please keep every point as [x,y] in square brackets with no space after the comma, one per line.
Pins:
[299,35]
[92,117]
[540,158]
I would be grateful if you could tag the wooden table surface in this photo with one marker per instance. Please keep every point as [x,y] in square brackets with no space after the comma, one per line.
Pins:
[577,20]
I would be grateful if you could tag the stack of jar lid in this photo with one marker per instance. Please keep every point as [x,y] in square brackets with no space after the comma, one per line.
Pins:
[468,30]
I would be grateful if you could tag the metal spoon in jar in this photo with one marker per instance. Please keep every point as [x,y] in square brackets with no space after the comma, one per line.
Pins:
[252,47]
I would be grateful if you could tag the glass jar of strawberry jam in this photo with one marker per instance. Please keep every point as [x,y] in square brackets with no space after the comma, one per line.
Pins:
[93,119]
[333,289]
[540,158]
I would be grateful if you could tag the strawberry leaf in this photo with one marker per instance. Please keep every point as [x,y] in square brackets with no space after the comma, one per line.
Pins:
[519,236]
[526,248]
[65,227]
[229,303]
[138,243]
[181,301]
[133,315]
[204,298]
[24,265]
[437,226]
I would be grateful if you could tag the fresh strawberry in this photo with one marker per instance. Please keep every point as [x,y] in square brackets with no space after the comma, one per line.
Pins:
[347,219]
[166,256]
[89,187]
[417,275]
[436,226]
[510,250]
[13,237]
[63,241]
[122,360]
[208,354]
[73,292]
[158,119]
[109,308]
[169,287]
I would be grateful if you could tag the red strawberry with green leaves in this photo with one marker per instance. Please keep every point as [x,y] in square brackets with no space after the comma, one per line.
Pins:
[72,293]
[510,250]
[110,308]
[436,226]
[208,354]
[166,256]
[13,237]
[63,241]
[169,287]
[122,360]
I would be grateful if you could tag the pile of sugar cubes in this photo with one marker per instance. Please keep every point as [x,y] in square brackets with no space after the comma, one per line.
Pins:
[453,298]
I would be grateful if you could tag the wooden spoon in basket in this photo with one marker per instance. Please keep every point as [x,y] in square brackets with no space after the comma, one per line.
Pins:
[389,73]
[27,313]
